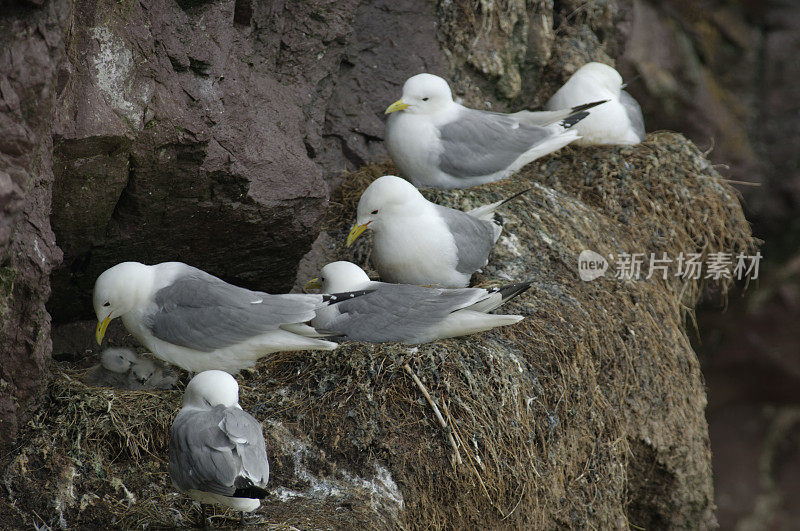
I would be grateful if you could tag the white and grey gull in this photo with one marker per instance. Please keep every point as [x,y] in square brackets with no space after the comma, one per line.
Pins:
[406,313]
[619,121]
[198,322]
[419,242]
[437,142]
[217,453]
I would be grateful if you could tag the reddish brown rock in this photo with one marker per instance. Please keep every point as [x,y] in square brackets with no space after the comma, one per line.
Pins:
[30,50]
[181,137]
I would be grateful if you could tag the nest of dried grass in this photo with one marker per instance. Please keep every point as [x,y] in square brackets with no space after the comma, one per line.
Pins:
[589,413]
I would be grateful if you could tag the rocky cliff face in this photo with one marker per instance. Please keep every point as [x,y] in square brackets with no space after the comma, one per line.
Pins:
[182,134]
[208,132]
[31,49]
[213,131]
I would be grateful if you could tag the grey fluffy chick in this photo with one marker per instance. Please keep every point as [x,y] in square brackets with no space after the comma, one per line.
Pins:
[114,369]
[150,374]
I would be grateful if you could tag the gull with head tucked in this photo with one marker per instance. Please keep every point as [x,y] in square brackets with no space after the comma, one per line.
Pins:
[419,242]
[196,321]
[619,121]
[405,313]
[217,453]
[437,142]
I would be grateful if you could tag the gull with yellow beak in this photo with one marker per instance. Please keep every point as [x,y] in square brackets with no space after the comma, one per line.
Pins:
[437,142]
[196,321]
[404,313]
[419,242]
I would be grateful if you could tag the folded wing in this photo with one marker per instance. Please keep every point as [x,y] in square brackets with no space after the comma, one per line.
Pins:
[474,238]
[482,143]
[201,312]
[634,111]
[220,451]
[397,312]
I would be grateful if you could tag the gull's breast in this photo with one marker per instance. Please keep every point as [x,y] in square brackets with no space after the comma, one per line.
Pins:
[412,141]
[416,250]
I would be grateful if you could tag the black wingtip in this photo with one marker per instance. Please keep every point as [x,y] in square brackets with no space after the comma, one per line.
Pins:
[572,119]
[333,298]
[587,106]
[509,291]
[246,489]
[256,493]
[514,196]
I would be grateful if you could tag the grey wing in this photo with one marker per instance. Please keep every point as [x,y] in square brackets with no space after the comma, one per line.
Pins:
[398,312]
[201,456]
[201,312]
[634,111]
[482,143]
[541,118]
[245,432]
[474,238]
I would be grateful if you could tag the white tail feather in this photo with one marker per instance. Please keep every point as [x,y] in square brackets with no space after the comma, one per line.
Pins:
[465,322]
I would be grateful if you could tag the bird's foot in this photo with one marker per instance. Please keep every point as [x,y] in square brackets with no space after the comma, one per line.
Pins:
[245,520]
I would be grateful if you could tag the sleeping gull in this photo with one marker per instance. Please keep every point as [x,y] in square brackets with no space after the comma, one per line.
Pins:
[619,121]
[217,453]
[196,321]
[437,142]
[114,369]
[419,242]
[408,314]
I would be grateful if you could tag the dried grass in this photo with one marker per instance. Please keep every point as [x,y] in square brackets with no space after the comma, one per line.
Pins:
[587,414]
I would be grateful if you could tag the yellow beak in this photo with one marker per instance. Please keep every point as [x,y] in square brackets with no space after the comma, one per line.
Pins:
[314,283]
[101,329]
[355,232]
[396,106]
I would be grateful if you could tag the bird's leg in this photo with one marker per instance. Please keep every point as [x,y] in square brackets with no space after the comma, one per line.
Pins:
[242,521]
[203,521]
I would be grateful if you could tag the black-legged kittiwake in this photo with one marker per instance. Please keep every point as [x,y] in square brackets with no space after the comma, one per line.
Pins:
[419,242]
[618,121]
[405,313]
[217,453]
[196,321]
[437,142]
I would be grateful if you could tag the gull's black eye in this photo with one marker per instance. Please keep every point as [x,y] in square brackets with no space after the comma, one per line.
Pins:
[424,99]
[374,212]
[106,304]
[322,279]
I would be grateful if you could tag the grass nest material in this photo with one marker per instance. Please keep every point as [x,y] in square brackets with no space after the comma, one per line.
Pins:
[589,413]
